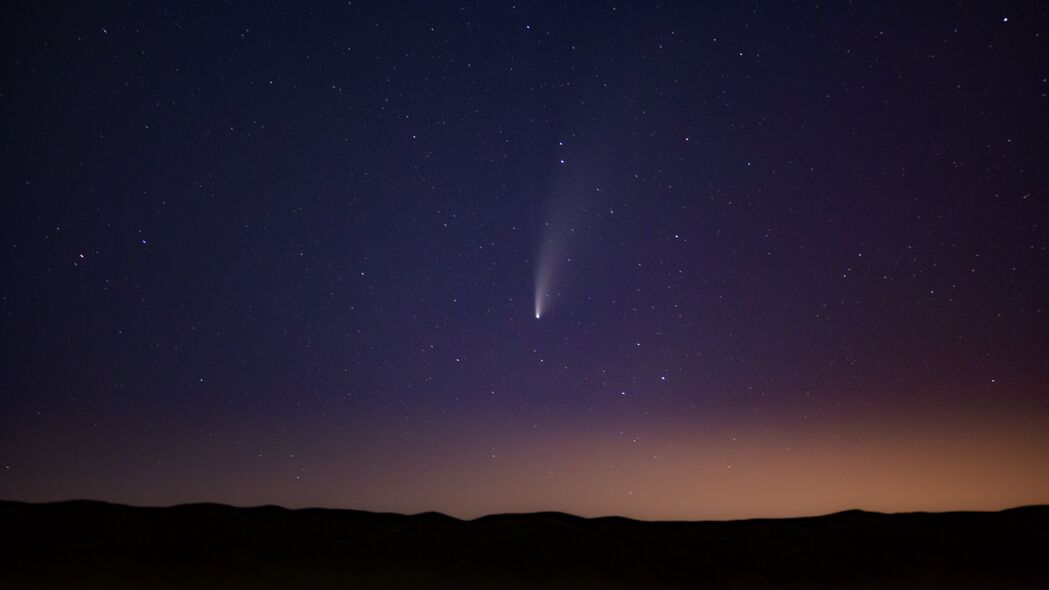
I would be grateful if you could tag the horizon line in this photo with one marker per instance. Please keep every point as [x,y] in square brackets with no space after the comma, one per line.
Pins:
[556,513]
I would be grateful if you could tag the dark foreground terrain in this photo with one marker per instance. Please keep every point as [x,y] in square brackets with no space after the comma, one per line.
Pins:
[84,544]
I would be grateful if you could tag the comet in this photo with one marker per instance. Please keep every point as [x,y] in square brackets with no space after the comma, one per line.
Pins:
[543,274]
[542,284]
[553,242]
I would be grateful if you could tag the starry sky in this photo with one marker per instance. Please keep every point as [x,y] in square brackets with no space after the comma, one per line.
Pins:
[787,257]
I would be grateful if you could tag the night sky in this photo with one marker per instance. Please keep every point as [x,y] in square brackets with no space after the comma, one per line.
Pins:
[664,260]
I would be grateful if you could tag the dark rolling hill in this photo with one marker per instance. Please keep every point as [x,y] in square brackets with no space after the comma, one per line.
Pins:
[84,544]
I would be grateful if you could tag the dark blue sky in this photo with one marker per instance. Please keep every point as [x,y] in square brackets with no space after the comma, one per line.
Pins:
[288,253]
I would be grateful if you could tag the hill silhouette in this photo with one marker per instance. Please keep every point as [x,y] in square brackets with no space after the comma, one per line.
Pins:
[87,544]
